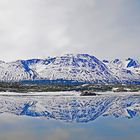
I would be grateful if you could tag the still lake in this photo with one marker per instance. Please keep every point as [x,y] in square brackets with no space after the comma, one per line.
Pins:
[105,117]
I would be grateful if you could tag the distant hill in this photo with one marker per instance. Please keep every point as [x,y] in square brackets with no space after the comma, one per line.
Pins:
[71,68]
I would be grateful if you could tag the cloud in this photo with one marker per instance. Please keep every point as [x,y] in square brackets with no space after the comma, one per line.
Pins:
[40,28]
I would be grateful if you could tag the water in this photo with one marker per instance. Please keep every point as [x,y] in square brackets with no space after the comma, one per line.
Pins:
[70,118]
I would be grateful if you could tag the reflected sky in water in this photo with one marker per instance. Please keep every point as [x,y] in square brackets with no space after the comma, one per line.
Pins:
[70,118]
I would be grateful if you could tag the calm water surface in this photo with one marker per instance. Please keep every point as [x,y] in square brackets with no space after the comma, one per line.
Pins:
[70,118]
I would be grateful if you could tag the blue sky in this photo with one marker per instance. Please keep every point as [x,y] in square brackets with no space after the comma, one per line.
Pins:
[41,28]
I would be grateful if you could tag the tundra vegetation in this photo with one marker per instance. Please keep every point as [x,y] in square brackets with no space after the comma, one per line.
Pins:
[83,88]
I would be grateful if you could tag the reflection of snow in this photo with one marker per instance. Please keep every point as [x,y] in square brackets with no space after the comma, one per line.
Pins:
[78,109]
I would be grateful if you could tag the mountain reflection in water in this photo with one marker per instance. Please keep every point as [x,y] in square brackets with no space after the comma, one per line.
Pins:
[71,109]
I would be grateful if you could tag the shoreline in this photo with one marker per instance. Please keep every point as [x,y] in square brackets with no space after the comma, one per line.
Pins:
[68,93]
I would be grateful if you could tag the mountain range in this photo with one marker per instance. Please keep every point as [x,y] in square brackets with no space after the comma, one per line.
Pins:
[71,109]
[71,68]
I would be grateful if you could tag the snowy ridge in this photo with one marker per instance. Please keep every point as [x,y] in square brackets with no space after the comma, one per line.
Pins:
[72,109]
[128,71]
[79,68]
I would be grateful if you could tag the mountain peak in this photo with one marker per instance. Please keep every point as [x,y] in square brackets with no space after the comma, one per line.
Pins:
[132,63]
[71,67]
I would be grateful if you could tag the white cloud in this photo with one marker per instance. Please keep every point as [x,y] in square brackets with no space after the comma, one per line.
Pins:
[40,28]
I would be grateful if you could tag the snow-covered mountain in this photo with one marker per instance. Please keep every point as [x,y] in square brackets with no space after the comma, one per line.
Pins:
[70,67]
[72,109]
[126,70]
